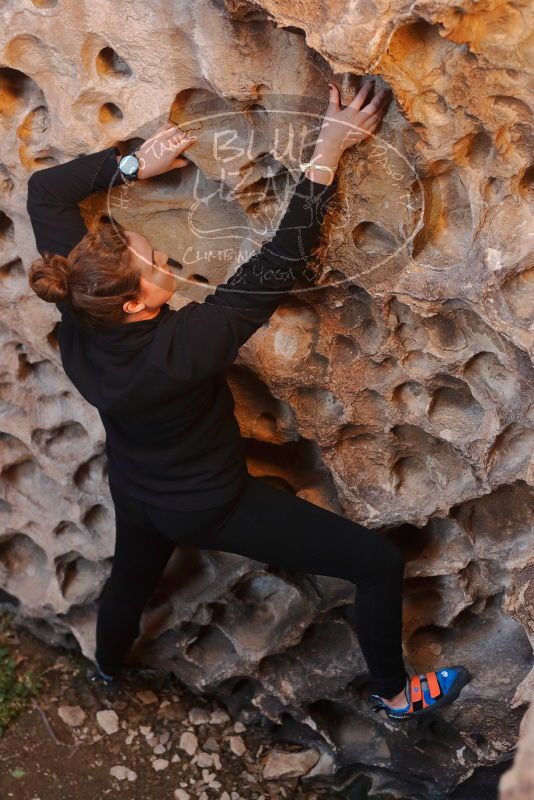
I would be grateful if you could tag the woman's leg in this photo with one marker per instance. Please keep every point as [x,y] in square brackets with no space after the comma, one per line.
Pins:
[281,529]
[141,554]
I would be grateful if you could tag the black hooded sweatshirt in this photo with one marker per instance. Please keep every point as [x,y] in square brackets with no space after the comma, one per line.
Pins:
[159,385]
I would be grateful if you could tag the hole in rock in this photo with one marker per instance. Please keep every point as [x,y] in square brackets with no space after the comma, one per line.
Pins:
[14,278]
[25,366]
[318,404]
[109,64]
[65,527]
[420,49]
[412,396]
[411,476]
[348,731]
[47,632]
[293,29]
[526,184]
[6,182]
[8,599]
[251,105]
[7,229]
[447,220]
[354,311]
[174,265]
[456,409]
[494,191]
[237,692]
[52,337]
[334,278]
[35,124]
[66,571]
[90,476]
[292,466]
[110,114]
[445,333]
[197,278]
[98,521]
[267,418]
[344,350]
[413,338]
[5,507]
[210,647]
[368,336]
[192,103]
[25,51]
[373,239]
[66,441]
[427,588]
[19,554]
[473,149]
[47,161]
[16,91]
[486,372]
[76,575]
[512,450]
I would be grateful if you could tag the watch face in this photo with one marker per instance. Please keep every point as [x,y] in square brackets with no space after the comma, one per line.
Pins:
[129,165]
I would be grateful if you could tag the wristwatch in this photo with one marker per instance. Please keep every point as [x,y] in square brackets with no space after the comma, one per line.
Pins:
[129,166]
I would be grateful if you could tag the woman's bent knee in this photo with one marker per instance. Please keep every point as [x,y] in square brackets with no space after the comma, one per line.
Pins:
[393,557]
[390,558]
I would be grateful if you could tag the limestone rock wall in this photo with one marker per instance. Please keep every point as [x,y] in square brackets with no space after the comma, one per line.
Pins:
[398,390]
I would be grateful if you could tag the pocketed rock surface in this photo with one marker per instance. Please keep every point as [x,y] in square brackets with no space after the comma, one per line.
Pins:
[397,390]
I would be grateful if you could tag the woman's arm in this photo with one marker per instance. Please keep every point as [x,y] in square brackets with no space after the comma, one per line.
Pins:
[202,339]
[54,194]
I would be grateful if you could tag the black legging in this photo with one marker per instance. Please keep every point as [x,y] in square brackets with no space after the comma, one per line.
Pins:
[272,526]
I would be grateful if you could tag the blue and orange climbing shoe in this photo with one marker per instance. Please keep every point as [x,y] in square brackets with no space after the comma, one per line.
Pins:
[426,692]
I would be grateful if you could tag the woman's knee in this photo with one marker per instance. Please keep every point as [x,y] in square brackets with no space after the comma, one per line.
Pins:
[389,559]
[392,557]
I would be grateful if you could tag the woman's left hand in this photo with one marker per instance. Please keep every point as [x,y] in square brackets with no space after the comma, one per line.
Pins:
[161,152]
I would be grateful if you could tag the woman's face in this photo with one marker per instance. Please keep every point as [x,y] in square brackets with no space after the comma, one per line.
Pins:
[157,281]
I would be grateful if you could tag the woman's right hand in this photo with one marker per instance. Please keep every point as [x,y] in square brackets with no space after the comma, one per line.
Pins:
[343,127]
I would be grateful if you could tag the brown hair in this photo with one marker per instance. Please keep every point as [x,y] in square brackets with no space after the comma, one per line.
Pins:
[95,279]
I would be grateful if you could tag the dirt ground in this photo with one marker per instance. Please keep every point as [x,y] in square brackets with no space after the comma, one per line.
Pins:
[44,757]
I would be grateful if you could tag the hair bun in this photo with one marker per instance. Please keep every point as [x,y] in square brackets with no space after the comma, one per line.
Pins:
[48,277]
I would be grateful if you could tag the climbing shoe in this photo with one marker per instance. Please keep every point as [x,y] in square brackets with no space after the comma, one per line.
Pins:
[426,692]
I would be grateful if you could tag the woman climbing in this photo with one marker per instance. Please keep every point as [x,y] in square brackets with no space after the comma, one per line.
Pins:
[176,461]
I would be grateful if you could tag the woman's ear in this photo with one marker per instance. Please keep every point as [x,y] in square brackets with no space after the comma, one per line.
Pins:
[132,306]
